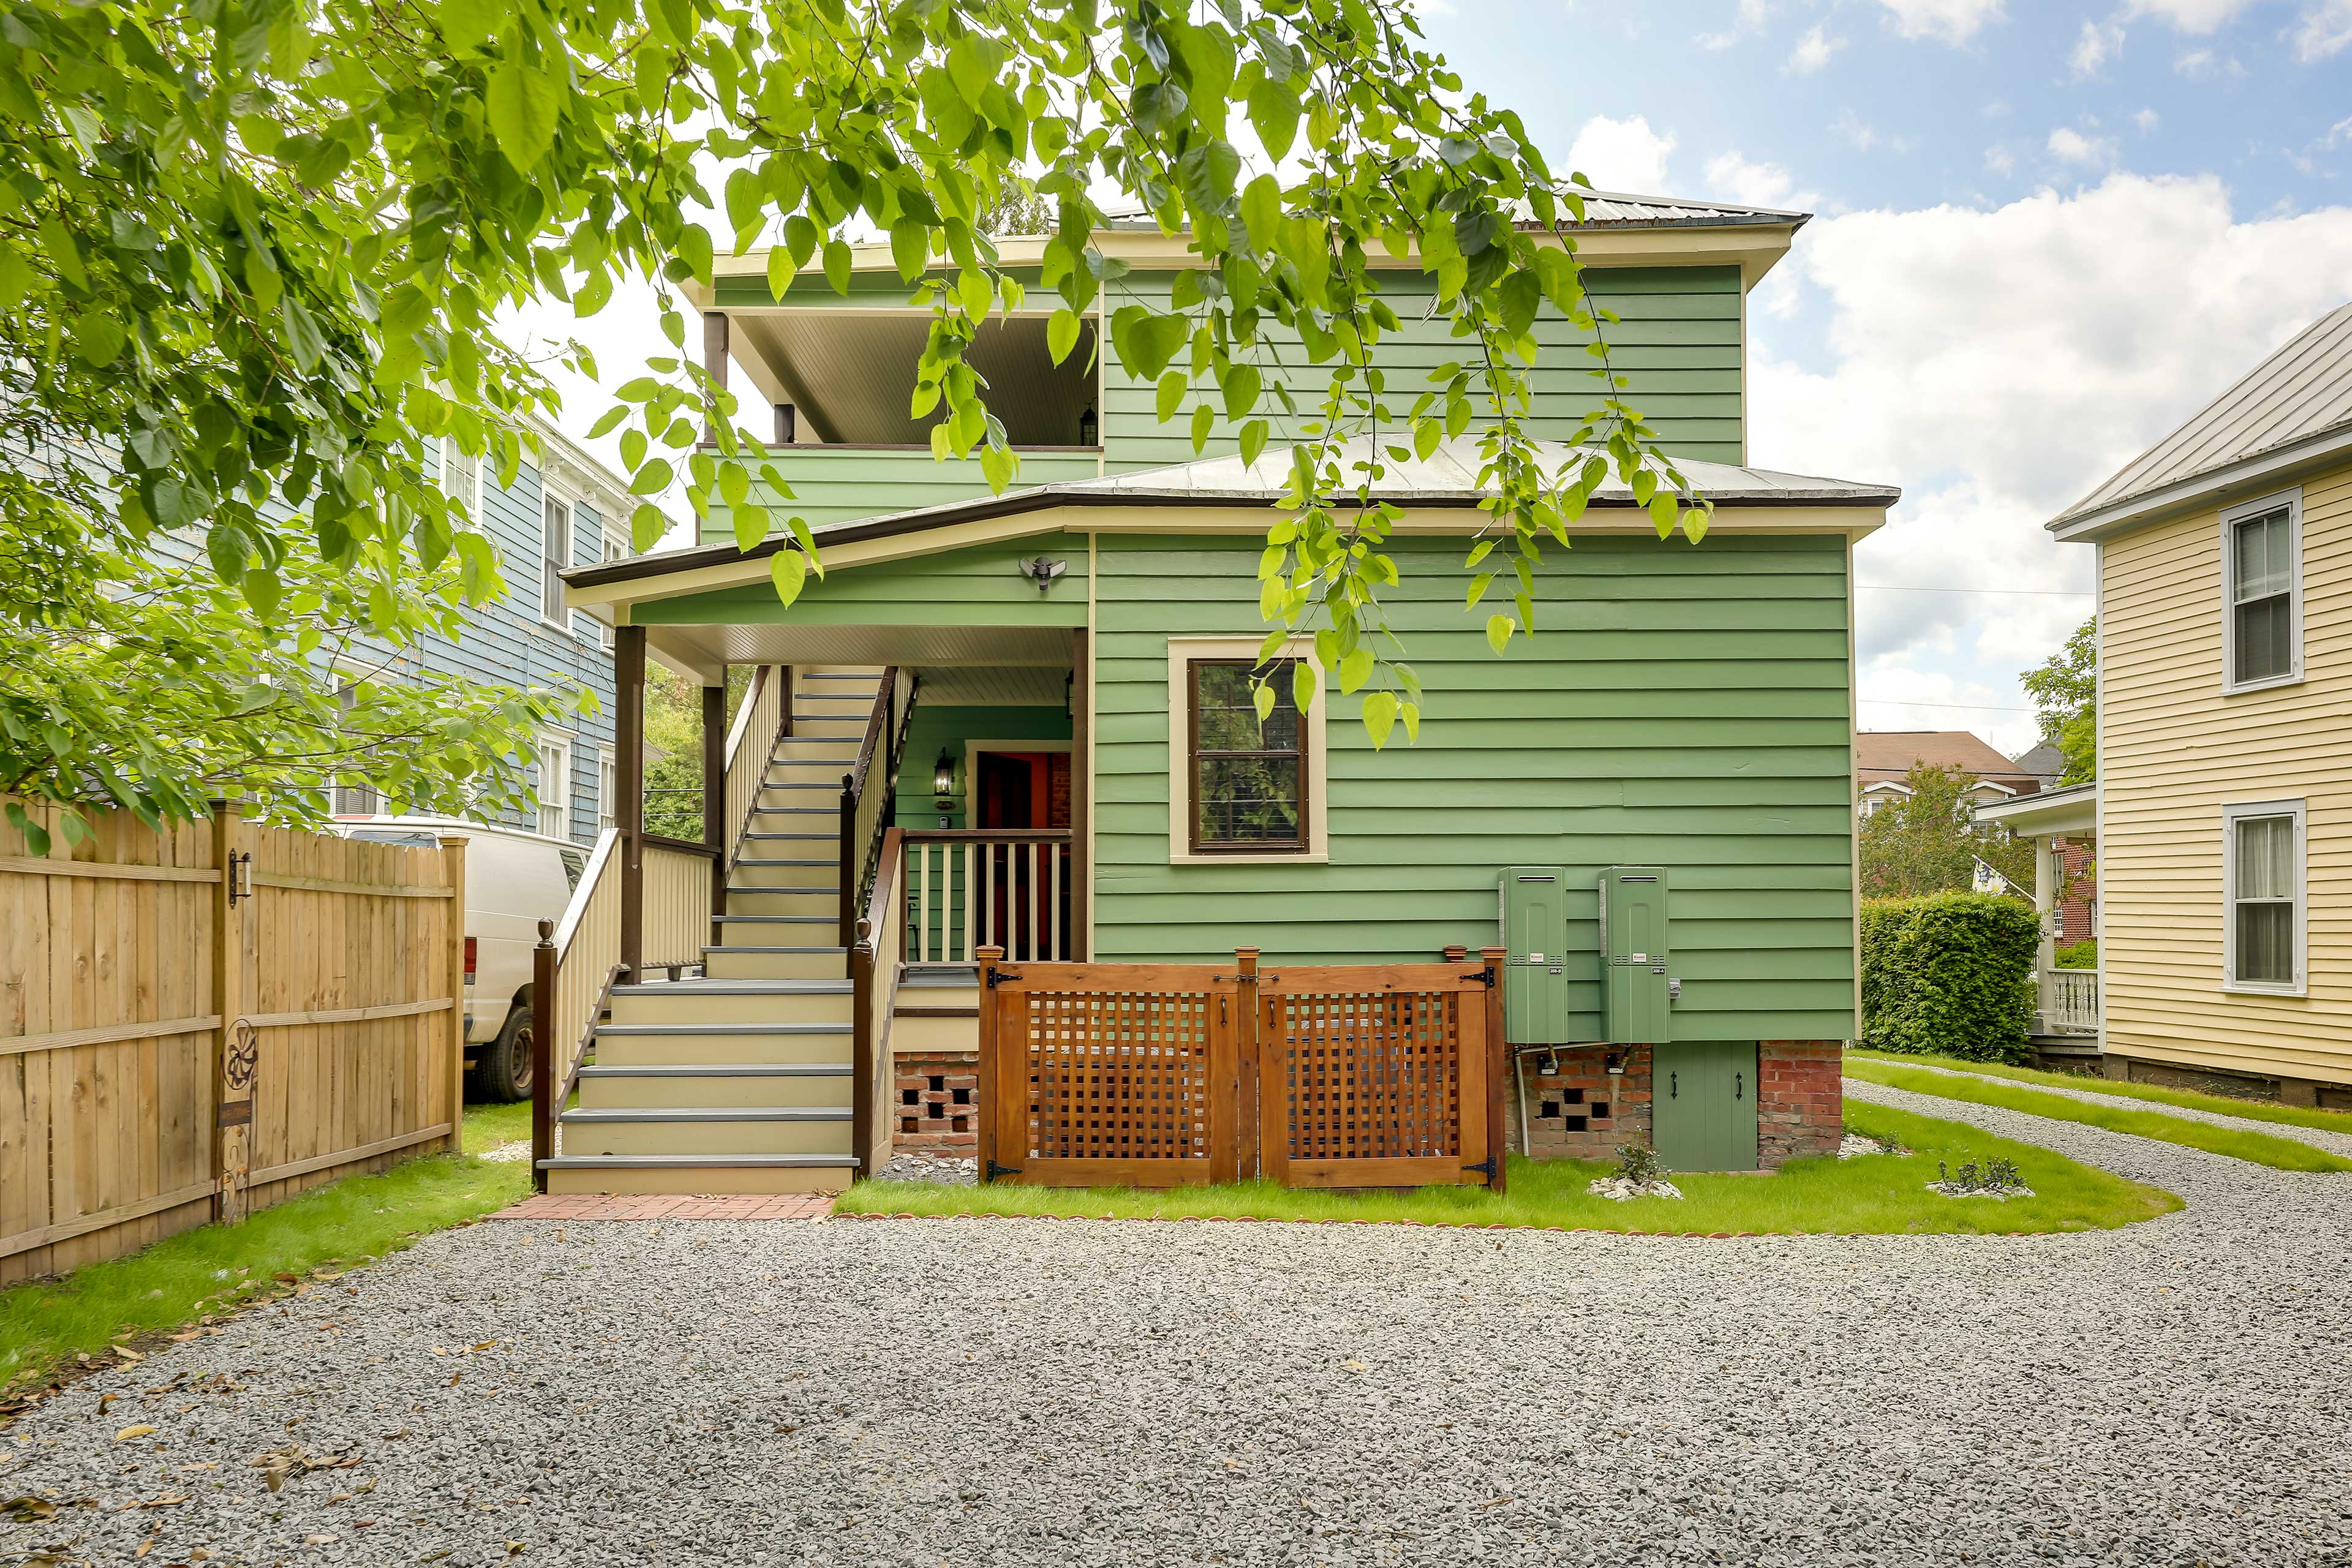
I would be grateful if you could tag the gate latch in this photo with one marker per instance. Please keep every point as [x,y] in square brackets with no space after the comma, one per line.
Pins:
[996,1170]
[995,973]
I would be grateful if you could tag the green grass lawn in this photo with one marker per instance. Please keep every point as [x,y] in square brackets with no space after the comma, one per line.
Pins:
[175,1282]
[2261,1148]
[2221,1104]
[1877,1194]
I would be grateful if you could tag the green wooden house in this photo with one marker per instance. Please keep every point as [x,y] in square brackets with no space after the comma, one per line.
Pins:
[1045,693]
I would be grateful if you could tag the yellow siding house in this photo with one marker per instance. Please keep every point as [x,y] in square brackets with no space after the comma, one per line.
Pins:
[2224,797]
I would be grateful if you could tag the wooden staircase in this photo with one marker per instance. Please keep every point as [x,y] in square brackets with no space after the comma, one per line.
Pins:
[741,1081]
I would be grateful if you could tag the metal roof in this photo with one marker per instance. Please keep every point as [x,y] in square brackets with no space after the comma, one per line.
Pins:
[1447,477]
[1619,209]
[2302,393]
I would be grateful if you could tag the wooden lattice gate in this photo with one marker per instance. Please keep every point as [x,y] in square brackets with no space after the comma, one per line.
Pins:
[1171,1075]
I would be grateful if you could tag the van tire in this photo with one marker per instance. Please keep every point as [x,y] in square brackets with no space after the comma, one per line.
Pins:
[502,1073]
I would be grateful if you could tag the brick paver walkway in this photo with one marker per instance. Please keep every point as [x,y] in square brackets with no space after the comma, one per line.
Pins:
[669,1206]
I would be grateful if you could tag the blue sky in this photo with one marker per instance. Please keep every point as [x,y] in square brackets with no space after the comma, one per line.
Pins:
[2046,233]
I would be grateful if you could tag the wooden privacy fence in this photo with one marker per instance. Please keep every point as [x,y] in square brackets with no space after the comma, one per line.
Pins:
[1156,1075]
[178,1045]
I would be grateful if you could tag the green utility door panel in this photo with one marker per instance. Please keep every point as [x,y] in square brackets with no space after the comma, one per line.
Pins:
[1703,1105]
[1635,989]
[1535,931]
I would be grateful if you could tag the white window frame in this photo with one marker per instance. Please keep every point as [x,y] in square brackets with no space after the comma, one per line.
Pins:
[560,740]
[2231,814]
[1182,652]
[608,788]
[615,548]
[2231,517]
[551,587]
[350,674]
[452,457]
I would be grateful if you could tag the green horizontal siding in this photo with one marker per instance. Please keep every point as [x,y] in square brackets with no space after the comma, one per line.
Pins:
[1678,341]
[1681,707]
[979,586]
[840,484]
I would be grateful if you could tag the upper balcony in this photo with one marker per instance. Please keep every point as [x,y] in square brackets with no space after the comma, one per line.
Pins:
[839,374]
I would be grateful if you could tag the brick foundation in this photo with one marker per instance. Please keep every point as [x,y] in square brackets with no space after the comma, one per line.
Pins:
[935,1099]
[1584,1112]
[1800,1102]
[1581,1112]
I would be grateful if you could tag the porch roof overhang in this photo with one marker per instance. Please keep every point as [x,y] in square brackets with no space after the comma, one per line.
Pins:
[2068,811]
[1438,495]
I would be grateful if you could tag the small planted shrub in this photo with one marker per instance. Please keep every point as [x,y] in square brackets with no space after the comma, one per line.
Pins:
[1638,1164]
[1995,1178]
[1639,1175]
[1948,975]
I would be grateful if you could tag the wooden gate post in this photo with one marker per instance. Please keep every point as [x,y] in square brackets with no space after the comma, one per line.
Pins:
[992,1076]
[1497,970]
[1248,1041]
[542,1055]
[452,872]
[236,1055]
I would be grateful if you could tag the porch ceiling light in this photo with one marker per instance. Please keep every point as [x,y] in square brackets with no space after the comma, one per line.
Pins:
[1042,571]
[943,774]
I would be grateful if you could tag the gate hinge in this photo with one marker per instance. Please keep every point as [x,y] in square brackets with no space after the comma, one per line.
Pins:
[995,973]
[1491,976]
[996,1170]
[1484,1167]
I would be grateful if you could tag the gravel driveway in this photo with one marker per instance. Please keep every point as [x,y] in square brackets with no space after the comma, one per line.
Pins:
[1012,1393]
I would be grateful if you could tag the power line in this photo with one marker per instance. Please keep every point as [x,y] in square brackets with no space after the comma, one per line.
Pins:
[2032,592]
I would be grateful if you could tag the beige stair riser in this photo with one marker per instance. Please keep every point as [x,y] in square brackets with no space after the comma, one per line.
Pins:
[718,1049]
[791,771]
[707,1138]
[823,900]
[706,1179]
[775,874]
[598,1092]
[930,1035]
[691,1006]
[724,964]
[826,796]
[920,996]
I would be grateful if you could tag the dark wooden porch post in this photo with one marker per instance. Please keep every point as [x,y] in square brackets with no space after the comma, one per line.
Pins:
[714,792]
[629,724]
[1082,791]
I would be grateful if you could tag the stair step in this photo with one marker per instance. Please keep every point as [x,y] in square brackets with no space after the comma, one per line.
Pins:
[735,988]
[941,974]
[711,1113]
[724,1133]
[765,836]
[784,919]
[726,1070]
[694,1162]
[661,1030]
[745,947]
[700,1174]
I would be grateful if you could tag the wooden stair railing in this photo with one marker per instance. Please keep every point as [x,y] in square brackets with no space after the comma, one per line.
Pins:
[869,792]
[875,960]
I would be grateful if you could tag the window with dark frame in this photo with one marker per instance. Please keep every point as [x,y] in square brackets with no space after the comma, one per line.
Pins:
[1248,779]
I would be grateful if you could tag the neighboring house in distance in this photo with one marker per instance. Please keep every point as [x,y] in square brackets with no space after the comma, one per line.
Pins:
[2044,763]
[2224,799]
[565,509]
[2077,911]
[1070,661]
[1885,758]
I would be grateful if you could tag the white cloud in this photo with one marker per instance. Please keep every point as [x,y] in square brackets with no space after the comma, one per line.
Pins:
[1730,177]
[1622,154]
[1812,51]
[2071,146]
[1856,132]
[2095,47]
[2188,16]
[2000,160]
[1999,364]
[2148,120]
[1950,21]
[2324,30]
[1749,17]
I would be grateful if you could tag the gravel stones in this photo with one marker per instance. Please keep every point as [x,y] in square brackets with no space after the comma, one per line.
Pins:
[939,1170]
[1623,1190]
[1020,1393]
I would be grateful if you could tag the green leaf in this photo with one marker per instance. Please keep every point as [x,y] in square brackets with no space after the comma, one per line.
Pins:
[522,104]
[1062,334]
[789,570]
[750,525]
[1498,632]
[652,478]
[1254,436]
[782,270]
[910,247]
[99,339]
[1262,697]
[1204,423]
[1241,389]
[1379,717]
[1170,395]
[1145,341]
[1302,685]
[1274,115]
[302,335]
[1262,213]
[1355,669]
[1207,171]
[837,264]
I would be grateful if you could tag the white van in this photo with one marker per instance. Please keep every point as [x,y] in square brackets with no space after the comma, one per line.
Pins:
[514,879]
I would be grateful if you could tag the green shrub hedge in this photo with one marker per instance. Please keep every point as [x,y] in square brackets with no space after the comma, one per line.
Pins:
[2083,955]
[1948,975]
